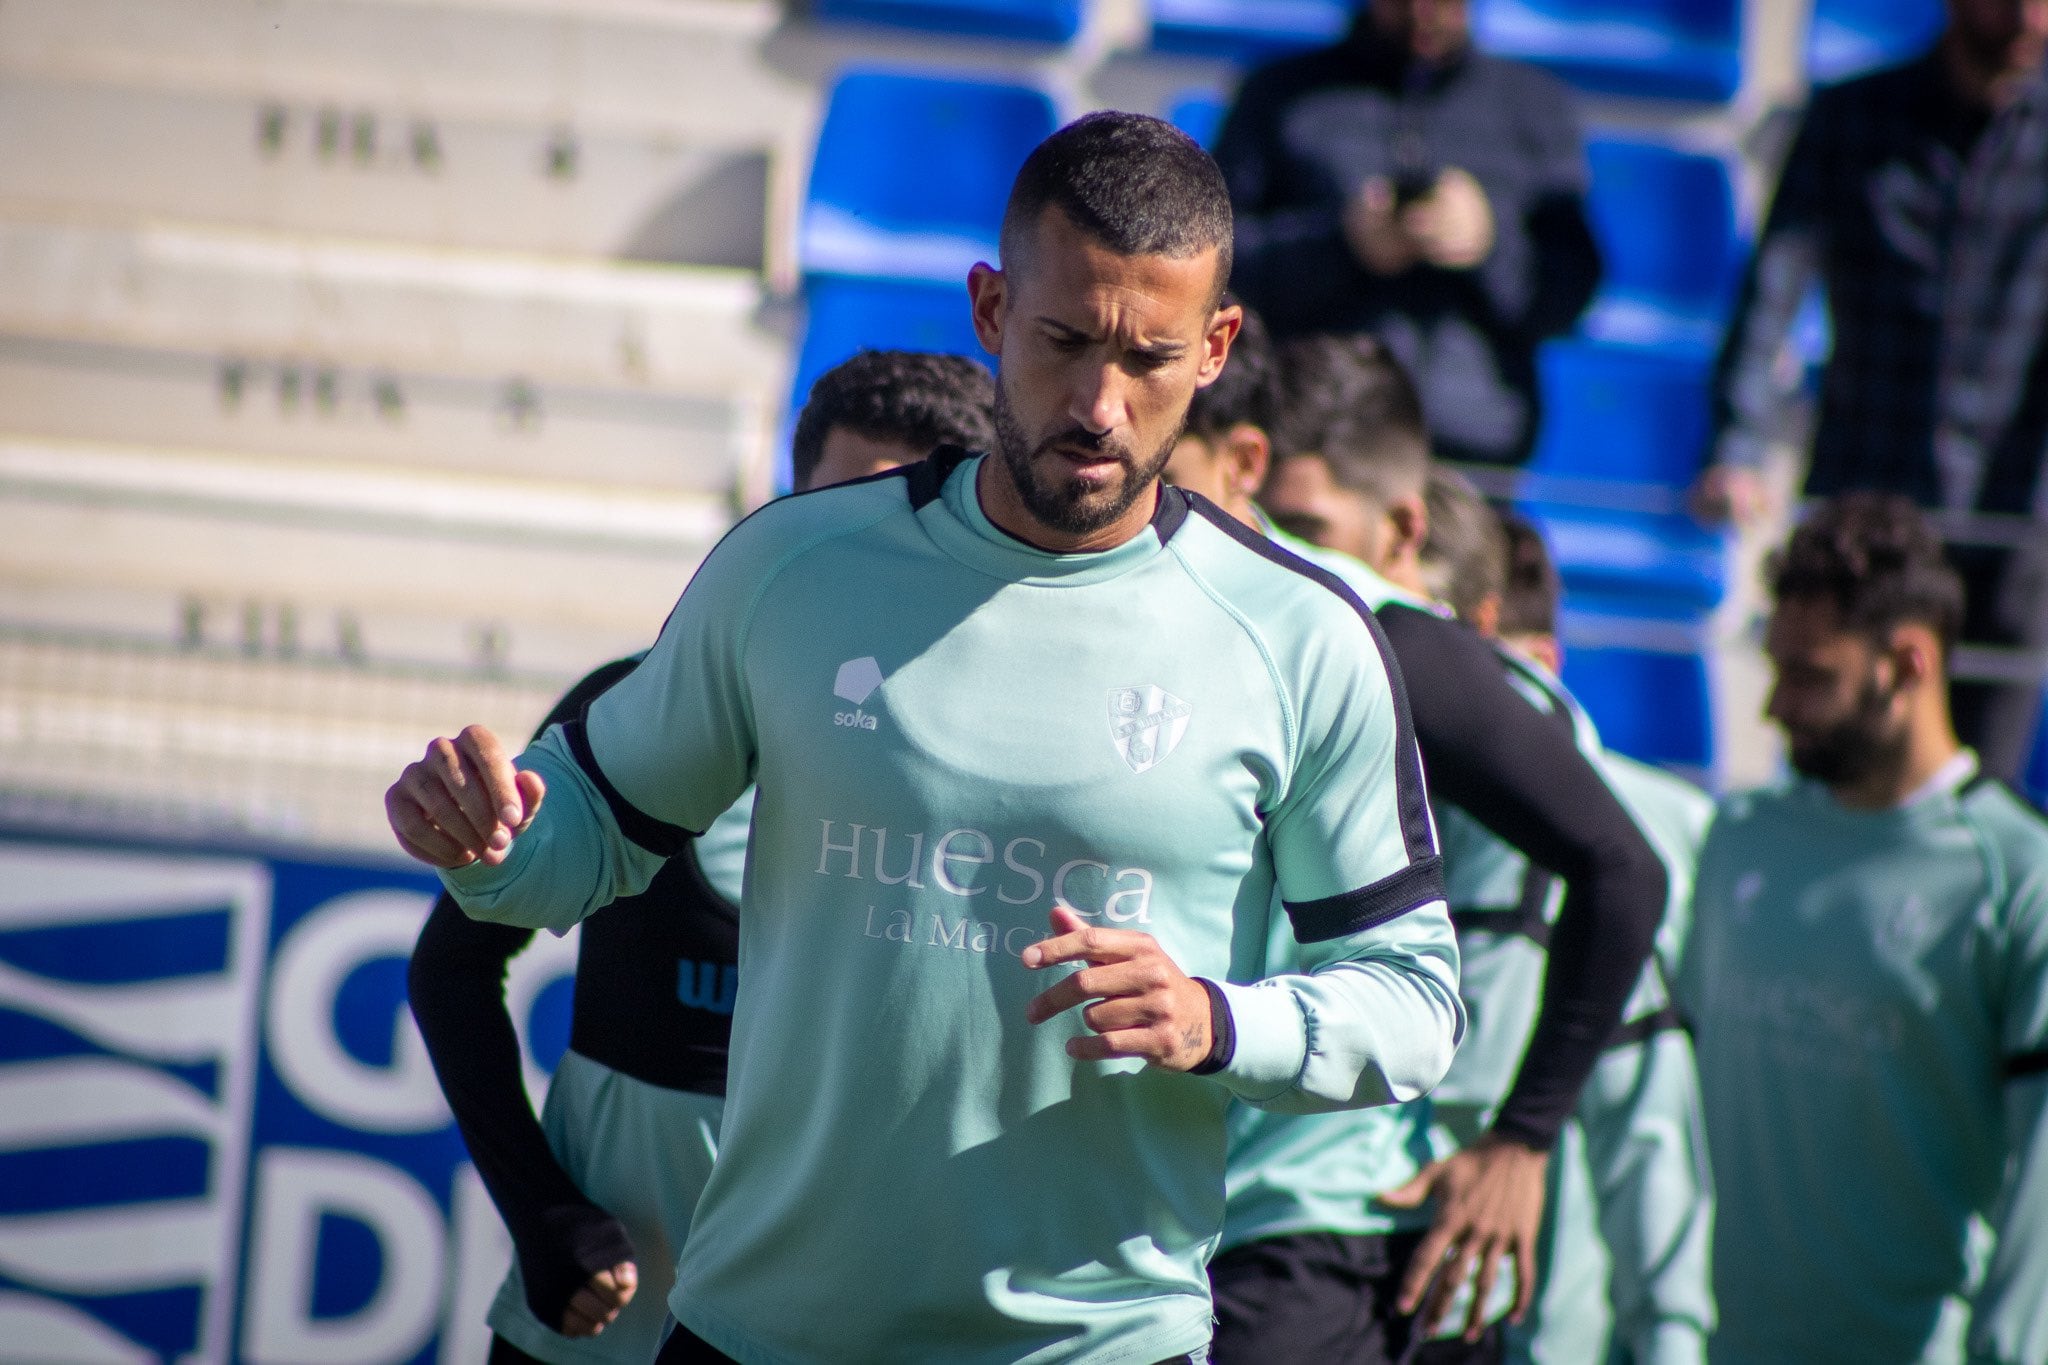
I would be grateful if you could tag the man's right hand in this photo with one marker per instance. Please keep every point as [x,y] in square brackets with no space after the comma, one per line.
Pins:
[1374,230]
[463,802]
[599,1302]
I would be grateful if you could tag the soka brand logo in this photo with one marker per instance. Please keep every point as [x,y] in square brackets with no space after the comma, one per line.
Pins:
[857,681]
[1146,724]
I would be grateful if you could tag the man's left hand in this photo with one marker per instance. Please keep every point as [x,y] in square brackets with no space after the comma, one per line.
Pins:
[1489,1205]
[1144,1005]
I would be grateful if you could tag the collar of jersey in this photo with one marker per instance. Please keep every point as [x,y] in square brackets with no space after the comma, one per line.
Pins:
[1372,588]
[1934,800]
[958,525]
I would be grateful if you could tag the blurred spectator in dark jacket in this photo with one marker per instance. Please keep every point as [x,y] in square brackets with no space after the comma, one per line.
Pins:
[1918,198]
[1402,183]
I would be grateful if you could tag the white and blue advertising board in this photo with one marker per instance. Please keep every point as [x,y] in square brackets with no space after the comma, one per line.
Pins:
[220,1136]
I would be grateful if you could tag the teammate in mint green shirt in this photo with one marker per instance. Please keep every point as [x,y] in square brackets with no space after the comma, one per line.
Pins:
[1315,1253]
[1628,1213]
[1868,977]
[1008,715]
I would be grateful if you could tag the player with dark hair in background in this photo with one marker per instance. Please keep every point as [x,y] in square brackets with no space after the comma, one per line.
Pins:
[599,1193]
[864,413]
[1315,1264]
[1868,983]
[1628,1210]
[1045,752]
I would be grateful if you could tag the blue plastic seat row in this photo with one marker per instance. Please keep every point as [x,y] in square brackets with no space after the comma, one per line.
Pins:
[1647,683]
[1668,49]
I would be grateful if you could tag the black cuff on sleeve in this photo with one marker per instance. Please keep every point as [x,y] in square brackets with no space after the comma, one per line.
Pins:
[1222,1032]
[576,1241]
[2026,1064]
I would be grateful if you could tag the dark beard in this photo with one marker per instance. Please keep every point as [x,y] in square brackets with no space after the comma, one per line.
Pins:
[1067,505]
[1854,747]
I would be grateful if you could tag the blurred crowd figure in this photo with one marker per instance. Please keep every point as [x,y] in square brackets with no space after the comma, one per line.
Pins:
[1916,197]
[1405,184]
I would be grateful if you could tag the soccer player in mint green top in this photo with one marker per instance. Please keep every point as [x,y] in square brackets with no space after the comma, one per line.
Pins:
[1316,1255]
[1009,716]
[1627,1217]
[1868,981]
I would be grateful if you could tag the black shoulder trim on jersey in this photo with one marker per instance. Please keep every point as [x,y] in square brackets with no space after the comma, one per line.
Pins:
[1647,1026]
[1389,898]
[1560,708]
[1171,512]
[1417,832]
[928,476]
[576,701]
[2026,1064]
[656,836]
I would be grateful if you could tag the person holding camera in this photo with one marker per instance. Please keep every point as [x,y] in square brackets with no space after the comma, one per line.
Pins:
[1404,184]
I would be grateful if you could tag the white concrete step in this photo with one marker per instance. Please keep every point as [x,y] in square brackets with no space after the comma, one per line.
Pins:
[685,329]
[208,742]
[392,174]
[294,408]
[692,70]
[383,564]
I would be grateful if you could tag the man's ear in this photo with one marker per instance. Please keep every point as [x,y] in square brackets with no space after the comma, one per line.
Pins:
[1223,325]
[1247,453]
[1915,654]
[988,298]
[1409,516]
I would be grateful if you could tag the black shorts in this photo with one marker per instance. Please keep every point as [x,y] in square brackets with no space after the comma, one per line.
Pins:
[1327,1298]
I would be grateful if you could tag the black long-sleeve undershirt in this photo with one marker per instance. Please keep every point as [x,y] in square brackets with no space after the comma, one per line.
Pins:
[1513,769]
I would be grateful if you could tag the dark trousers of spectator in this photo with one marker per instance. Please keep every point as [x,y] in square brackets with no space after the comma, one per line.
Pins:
[1330,1299]
[2006,605]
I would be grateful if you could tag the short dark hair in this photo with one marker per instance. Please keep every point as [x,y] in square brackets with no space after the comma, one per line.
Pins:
[1348,400]
[1878,559]
[1530,587]
[917,397]
[1137,184]
[1243,394]
[1464,560]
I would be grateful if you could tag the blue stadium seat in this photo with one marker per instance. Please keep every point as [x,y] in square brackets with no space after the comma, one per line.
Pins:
[1650,564]
[1849,37]
[1662,49]
[1665,220]
[1247,31]
[1051,21]
[1650,701]
[1199,114]
[912,172]
[1622,413]
[843,316]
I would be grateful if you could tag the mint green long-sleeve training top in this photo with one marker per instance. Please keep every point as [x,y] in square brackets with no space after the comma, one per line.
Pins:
[951,733]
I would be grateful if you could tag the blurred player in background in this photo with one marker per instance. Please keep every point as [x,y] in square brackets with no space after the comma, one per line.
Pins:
[1916,198]
[1868,981]
[1628,1215]
[1313,1264]
[993,1015]
[598,1194]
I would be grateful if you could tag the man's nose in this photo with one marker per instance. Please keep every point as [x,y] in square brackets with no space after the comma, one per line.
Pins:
[1099,399]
